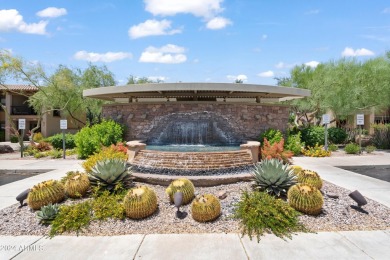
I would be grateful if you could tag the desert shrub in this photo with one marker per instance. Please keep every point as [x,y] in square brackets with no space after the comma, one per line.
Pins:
[381,137]
[261,213]
[71,218]
[333,147]
[43,146]
[56,141]
[14,139]
[108,206]
[55,154]
[294,143]
[70,152]
[38,155]
[313,135]
[106,153]
[337,135]
[352,148]
[316,151]
[370,149]
[91,139]
[37,137]
[275,151]
[272,135]
[30,150]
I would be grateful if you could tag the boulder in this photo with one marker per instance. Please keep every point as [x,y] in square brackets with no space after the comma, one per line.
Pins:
[6,149]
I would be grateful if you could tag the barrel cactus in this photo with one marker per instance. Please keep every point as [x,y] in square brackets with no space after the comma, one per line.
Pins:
[273,177]
[48,213]
[296,168]
[311,178]
[305,198]
[184,185]
[44,193]
[109,173]
[76,184]
[140,202]
[206,208]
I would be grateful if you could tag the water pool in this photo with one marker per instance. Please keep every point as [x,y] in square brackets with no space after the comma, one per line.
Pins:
[192,148]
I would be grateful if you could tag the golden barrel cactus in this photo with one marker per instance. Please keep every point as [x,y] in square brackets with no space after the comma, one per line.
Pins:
[45,193]
[297,169]
[206,208]
[140,202]
[310,178]
[76,184]
[184,185]
[305,198]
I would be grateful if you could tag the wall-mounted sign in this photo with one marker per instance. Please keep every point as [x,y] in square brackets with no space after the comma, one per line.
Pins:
[326,119]
[22,124]
[360,119]
[63,124]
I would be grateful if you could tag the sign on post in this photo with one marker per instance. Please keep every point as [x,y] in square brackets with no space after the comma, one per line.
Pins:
[326,119]
[63,124]
[22,124]
[360,119]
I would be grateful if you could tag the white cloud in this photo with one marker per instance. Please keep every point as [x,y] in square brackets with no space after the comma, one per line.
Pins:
[282,65]
[52,12]
[264,36]
[386,10]
[152,27]
[169,53]
[11,20]
[200,8]
[218,23]
[157,78]
[102,57]
[241,77]
[312,64]
[349,52]
[266,74]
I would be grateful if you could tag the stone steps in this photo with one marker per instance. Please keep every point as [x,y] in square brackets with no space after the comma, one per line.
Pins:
[192,160]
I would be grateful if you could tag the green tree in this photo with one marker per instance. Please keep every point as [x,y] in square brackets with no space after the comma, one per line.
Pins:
[142,80]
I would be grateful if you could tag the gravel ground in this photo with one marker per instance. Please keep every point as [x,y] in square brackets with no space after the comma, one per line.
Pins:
[336,216]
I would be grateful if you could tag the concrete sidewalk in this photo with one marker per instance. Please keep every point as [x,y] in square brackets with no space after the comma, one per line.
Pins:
[324,245]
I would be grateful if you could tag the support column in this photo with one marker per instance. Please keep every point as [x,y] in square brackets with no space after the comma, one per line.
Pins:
[133,147]
[8,104]
[253,148]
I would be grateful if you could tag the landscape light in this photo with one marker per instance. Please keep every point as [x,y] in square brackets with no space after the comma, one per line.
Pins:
[360,200]
[22,196]
[178,200]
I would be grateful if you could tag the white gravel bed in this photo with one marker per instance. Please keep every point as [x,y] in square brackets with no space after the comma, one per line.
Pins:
[336,216]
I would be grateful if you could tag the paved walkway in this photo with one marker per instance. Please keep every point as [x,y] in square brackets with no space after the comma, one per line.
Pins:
[324,245]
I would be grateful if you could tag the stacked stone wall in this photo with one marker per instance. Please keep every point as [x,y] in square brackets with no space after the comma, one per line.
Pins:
[245,120]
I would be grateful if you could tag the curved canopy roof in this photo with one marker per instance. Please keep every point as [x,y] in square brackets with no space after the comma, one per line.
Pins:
[194,91]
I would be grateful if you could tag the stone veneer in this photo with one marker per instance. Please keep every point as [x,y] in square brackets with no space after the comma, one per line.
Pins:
[246,121]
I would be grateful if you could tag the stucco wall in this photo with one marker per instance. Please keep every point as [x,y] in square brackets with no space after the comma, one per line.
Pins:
[247,121]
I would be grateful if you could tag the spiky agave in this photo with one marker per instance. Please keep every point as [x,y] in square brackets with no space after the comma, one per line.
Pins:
[48,213]
[273,177]
[109,173]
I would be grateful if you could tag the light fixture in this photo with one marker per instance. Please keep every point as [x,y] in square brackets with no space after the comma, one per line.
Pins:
[360,200]
[22,196]
[178,200]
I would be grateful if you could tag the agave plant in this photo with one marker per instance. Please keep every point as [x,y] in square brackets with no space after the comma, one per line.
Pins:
[273,177]
[47,213]
[109,173]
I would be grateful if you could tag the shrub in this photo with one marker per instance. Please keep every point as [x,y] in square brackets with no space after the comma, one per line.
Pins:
[316,151]
[91,139]
[333,147]
[108,206]
[272,135]
[71,218]
[259,212]
[37,137]
[275,151]
[14,139]
[106,153]
[294,143]
[370,149]
[381,137]
[337,135]
[56,141]
[273,177]
[43,146]
[38,155]
[352,148]
[55,154]
[313,135]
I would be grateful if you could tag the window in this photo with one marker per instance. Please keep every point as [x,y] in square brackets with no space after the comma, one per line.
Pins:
[56,113]
[2,101]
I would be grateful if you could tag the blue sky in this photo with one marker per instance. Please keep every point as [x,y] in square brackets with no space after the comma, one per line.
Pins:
[194,40]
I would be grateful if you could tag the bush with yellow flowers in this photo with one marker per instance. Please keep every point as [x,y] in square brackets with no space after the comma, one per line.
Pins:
[316,151]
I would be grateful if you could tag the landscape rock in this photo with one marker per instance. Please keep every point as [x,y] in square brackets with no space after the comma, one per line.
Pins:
[222,194]
[332,195]
[6,149]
